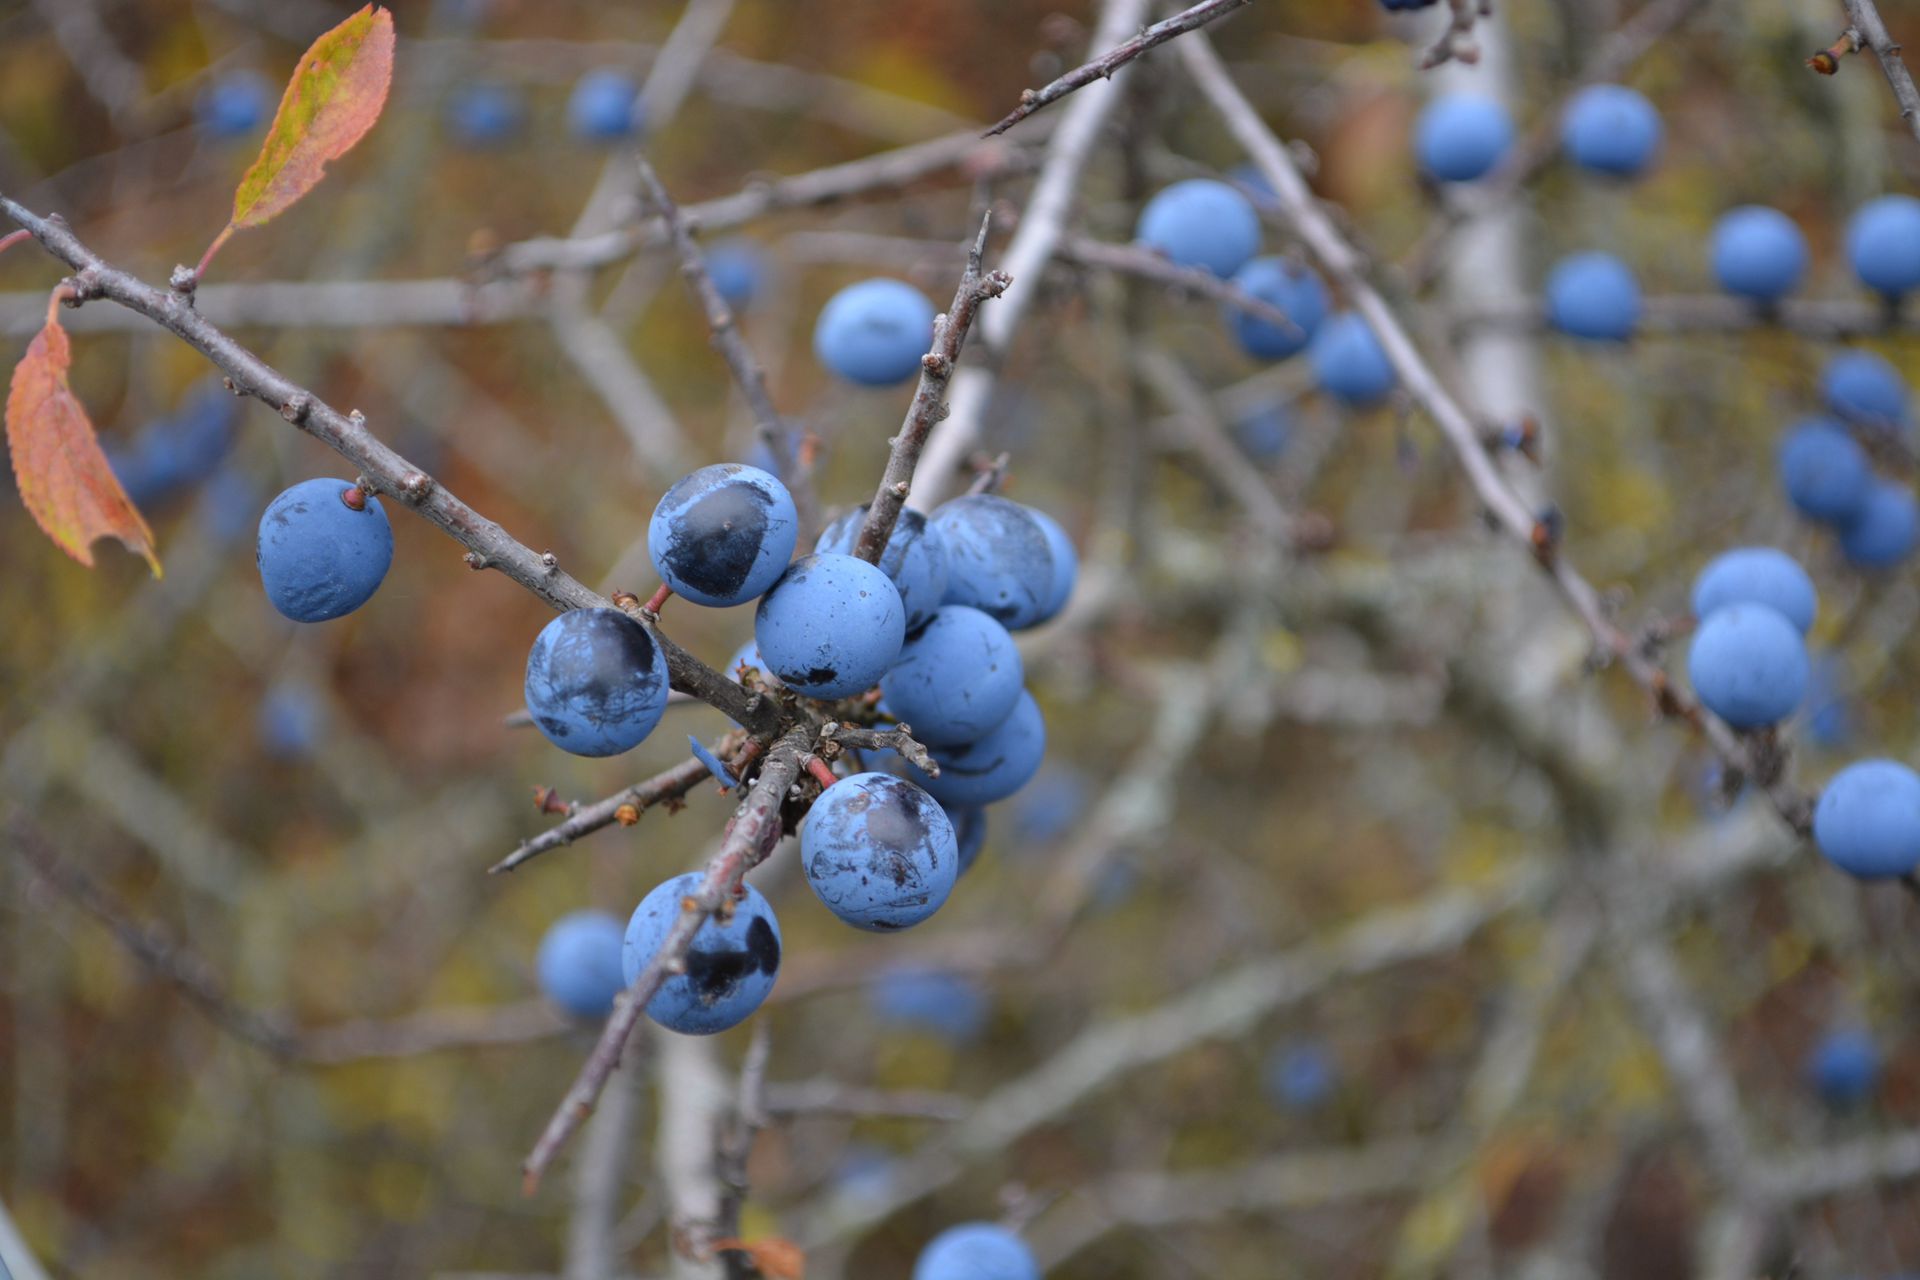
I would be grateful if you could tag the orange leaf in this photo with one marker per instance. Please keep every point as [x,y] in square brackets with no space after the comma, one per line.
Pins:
[335,96]
[773,1258]
[64,479]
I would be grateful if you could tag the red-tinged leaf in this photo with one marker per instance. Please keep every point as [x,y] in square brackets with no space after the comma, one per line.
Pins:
[773,1258]
[63,476]
[335,96]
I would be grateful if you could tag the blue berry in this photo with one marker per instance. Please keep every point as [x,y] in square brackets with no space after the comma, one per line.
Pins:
[1253,184]
[604,106]
[596,682]
[879,852]
[1844,1066]
[948,1005]
[1757,575]
[723,534]
[874,332]
[1883,244]
[1867,822]
[289,721]
[994,767]
[1594,296]
[1749,665]
[481,115]
[1396,6]
[235,104]
[957,679]
[1610,129]
[1461,136]
[1300,1076]
[731,965]
[999,558]
[320,558]
[1201,223]
[976,1251]
[579,963]
[1047,809]
[1348,361]
[969,832]
[1881,533]
[1829,720]
[1066,564]
[831,626]
[1265,432]
[1825,471]
[1291,289]
[1758,253]
[915,558]
[738,269]
[1864,389]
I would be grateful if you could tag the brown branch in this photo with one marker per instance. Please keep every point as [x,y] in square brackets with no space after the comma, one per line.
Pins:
[752,835]
[779,435]
[1103,67]
[489,546]
[1865,17]
[929,398]
[1125,259]
[1507,511]
[899,739]
[431,1031]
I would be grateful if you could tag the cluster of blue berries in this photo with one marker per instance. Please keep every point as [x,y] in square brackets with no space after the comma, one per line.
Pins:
[604,107]
[930,625]
[1828,475]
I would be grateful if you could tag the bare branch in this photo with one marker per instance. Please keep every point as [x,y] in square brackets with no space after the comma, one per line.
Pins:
[1829,319]
[899,738]
[1103,67]
[664,787]
[929,398]
[1865,17]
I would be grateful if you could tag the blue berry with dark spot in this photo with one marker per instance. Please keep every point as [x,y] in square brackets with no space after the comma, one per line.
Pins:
[992,768]
[1407,6]
[948,1005]
[1757,575]
[1289,288]
[1883,244]
[1865,390]
[1825,471]
[730,968]
[831,626]
[1844,1067]
[879,852]
[604,106]
[579,963]
[969,832]
[976,1251]
[1348,361]
[1867,821]
[1593,296]
[723,534]
[1201,223]
[957,679]
[1610,129]
[1882,532]
[235,104]
[999,558]
[874,332]
[1461,136]
[320,557]
[1758,253]
[1749,665]
[738,270]
[915,558]
[596,682]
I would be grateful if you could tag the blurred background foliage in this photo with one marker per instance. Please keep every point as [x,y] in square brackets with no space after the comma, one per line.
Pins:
[312,810]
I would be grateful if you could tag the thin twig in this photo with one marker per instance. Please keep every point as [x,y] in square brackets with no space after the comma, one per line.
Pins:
[1103,67]
[1865,17]
[1828,319]
[899,738]
[929,398]
[665,787]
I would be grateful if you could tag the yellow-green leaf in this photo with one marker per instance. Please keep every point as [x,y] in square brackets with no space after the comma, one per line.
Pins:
[335,96]
[64,478]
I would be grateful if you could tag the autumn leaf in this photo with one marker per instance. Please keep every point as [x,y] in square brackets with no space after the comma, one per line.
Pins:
[773,1258]
[63,476]
[335,96]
